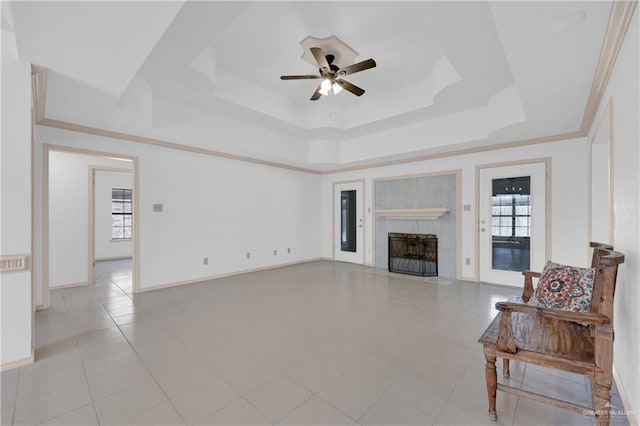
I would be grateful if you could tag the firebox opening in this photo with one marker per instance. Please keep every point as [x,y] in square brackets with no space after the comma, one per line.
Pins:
[414,254]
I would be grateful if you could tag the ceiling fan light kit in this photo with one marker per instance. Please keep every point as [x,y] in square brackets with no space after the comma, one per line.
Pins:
[332,75]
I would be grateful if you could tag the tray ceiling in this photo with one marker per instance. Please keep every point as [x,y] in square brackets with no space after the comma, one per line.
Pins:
[206,74]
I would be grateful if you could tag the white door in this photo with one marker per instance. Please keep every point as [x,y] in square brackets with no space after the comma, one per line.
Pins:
[348,201]
[512,222]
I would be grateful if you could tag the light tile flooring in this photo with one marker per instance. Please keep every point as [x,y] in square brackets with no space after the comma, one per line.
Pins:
[321,343]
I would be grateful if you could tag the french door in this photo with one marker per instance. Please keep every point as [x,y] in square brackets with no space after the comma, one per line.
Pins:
[348,201]
[512,222]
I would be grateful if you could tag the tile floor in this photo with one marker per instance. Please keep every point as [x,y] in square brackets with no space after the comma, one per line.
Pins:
[321,343]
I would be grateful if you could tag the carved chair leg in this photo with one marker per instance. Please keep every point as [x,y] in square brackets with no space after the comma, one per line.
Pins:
[492,382]
[601,383]
[602,403]
[505,368]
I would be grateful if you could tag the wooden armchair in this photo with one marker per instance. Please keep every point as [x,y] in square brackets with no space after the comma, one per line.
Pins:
[576,342]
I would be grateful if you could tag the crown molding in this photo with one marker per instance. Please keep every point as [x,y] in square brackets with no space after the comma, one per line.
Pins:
[464,151]
[65,125]
[619,21]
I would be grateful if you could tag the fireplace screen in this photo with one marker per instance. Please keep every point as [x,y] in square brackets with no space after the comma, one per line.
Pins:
[415,254]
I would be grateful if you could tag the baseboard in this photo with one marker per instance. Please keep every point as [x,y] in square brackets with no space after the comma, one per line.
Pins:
[230,274]
[58,287]
[470,279]
[114,258]
[17,363]
[631,415]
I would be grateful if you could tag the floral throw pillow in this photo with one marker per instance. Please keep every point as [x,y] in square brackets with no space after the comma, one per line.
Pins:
[564,287]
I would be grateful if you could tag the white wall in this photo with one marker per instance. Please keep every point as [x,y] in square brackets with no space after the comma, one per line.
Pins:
[15,203]
[569,176]
[623,89]
[105,247]
[69,215]
[212,207]
[222,209]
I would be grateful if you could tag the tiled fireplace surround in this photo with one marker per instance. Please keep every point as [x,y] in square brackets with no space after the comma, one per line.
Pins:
[415,193]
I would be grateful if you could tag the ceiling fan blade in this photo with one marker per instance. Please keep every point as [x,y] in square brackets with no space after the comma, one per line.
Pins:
[316,95]
[320,57]
[360,66]
[350,87]
[298,77]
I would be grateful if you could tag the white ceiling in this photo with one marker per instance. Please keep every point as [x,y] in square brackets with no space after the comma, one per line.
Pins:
[449,74]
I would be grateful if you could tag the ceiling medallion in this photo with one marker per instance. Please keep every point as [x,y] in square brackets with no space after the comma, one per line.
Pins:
[343,55]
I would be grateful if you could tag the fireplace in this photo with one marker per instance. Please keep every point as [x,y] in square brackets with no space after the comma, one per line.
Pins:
[414,254]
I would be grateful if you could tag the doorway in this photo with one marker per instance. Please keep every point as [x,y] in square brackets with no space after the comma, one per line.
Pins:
[512,221]
[349,222]
[67,246]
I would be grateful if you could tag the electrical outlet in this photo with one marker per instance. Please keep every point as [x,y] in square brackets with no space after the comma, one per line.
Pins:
[205,261]
[467,261]
[248,255]
[275,252]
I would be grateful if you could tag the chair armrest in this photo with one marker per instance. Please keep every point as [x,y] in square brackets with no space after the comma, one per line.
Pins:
[505,341]
[527,292]
[579,317]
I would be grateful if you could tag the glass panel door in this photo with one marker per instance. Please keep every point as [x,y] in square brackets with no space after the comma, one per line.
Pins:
[348,219]
[348,237]
[511,224]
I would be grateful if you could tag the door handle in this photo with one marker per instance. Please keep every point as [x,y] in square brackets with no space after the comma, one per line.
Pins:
[482,229]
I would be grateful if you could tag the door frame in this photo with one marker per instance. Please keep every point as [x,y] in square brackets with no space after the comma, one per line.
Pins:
[333,218]
[547,190]
[46,149]
[605,122]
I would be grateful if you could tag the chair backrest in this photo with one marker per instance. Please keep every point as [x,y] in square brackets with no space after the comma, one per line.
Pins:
[606,262]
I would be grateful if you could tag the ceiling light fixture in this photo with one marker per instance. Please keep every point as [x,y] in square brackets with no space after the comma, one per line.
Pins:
[325,86]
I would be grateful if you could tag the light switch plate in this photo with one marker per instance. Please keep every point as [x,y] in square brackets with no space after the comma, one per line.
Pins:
[157,207]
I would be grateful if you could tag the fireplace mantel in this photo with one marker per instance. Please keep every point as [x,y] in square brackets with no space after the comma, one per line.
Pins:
[433,213]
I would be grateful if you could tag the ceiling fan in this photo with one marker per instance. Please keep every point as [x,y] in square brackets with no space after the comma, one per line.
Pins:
[332,75]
